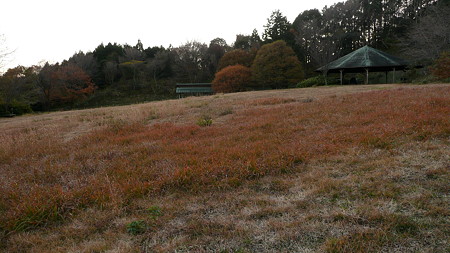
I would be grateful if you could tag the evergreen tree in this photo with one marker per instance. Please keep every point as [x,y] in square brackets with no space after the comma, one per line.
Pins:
[255,39]
[277,28]
[242,42]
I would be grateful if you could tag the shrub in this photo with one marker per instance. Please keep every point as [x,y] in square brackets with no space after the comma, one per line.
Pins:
[232,79]
[226,111]
[154,212]
[276,66]
[3,108]
[19,108]
[204,121]
[136,227]
[312,81]
[14,108]
[441,69]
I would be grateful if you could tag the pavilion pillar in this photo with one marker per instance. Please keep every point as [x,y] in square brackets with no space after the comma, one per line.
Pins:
[386,75]
[393,76]
[342,76]
[367,75]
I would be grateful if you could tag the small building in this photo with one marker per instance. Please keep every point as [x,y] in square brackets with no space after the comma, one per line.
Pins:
[193,89]
[365,59]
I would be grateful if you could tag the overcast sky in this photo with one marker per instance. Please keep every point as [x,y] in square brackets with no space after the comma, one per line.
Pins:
[53,30]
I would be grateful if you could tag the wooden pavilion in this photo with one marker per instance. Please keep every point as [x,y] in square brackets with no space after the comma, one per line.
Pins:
[365,59]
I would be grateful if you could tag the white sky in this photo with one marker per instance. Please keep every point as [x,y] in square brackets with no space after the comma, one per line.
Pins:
[53,30]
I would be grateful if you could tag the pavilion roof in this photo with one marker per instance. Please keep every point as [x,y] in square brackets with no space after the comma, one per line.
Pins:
[365,58]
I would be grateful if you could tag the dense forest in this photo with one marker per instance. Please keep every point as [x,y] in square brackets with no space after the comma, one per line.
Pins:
[285,54]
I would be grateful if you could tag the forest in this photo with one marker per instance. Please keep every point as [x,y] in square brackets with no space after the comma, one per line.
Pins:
[285,55]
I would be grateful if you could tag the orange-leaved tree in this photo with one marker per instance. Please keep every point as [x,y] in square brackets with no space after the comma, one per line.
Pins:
[276,66]
[441,68]
[232,79]
[70,83]
[235,57]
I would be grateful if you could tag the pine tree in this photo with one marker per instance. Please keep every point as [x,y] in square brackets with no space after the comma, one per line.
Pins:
[277,28]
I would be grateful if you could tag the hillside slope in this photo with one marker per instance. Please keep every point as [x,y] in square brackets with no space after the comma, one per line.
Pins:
[338,169]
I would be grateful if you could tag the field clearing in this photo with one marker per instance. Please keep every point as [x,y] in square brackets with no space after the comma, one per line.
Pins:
[338,169]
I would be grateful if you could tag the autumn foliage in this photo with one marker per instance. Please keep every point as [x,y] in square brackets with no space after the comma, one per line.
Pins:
[232,79]
[277,66]
[236,57]
[70,83]
[441,68]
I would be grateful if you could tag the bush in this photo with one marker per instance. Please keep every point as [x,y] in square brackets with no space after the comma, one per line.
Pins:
[3,109]
[14,108]
[232,79]
[136,227]
[204,121]
[19,108]
[441,68]
[276,66]
[312,81]
[154,212]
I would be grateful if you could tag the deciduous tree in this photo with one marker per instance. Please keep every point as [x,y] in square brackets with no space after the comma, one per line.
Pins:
[430,35]
[110,70]
[131,70]
[441,68]
[191,62]
[157,68]
[232,79]
[235,57]
[73,83]
[276,66]
[61,84]
[86,61]
[4,52]
[318,38]
[17,90]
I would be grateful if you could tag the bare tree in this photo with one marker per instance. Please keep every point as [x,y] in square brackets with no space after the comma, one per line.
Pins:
[110,71]
[4,52]
[45,83]
[85,61]
[132,62]
[191,62]
[132,54]
[157,68]
[430,36]
[323,51]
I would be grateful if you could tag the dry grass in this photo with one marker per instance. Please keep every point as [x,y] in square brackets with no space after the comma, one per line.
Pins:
[342,169]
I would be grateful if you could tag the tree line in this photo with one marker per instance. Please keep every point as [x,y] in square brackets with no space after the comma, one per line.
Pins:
[283,55]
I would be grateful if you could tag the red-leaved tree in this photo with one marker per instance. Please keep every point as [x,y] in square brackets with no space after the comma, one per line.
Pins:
[64,83]
[232,79]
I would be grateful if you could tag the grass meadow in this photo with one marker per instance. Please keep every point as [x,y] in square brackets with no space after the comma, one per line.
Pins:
[329,169]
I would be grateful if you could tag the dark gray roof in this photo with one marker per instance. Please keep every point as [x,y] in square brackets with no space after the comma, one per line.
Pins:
[365,57]
[193,88]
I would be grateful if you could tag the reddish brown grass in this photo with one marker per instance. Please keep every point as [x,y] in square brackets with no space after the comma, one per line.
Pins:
[46,179]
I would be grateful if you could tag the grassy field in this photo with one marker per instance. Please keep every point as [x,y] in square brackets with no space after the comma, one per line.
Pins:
[329,169]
